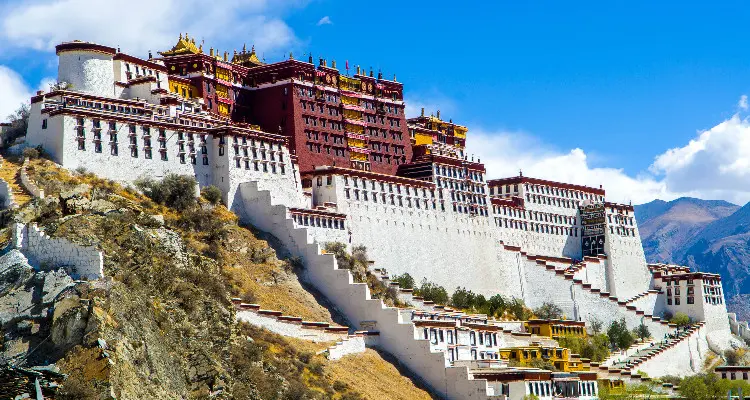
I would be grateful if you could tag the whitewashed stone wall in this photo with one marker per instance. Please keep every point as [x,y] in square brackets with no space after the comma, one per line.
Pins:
[44,251]
[6,194]
[289,329]
[739,328]
[354,301]
[628,273]
[354,344]
[29,184]
[683,359]
[87,71]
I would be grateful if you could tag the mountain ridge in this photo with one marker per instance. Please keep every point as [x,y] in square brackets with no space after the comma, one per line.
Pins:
[706,235]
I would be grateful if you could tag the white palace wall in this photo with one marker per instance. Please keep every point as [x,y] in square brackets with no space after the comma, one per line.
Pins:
[628,274]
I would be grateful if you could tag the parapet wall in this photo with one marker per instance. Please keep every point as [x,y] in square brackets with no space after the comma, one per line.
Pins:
[29,184]
[739,328]
[46,252]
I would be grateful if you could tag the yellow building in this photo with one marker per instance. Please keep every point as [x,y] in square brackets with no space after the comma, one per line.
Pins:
[555,328]
[428,130]
[559,357]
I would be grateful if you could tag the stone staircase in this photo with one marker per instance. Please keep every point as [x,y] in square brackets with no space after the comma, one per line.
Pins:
[10,172]
[353,300]
[589,300]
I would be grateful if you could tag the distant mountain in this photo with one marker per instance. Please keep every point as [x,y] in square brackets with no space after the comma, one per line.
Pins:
[706,235]
[667,226]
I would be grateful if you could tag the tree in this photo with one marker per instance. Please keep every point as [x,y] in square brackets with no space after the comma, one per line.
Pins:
[596,325]
[463,299]
[642,331]
[619,335]
[432,292]
[680,319]
[595,348]
[548,311]
[19,123]
[212,194]
[405,281]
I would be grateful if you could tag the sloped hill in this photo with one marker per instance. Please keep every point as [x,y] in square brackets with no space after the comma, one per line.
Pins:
[161,325]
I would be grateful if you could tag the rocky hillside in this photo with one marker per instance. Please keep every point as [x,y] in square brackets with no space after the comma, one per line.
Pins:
[709,236]
[161,324]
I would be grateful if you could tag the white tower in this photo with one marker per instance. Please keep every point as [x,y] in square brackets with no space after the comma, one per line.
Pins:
[88,67]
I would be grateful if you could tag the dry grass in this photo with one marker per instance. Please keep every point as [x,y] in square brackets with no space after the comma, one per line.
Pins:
[374,377]
[255,274]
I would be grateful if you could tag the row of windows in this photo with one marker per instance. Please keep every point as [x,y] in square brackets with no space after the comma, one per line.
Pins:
[319,222]
[534,227]
[316,94]
[264,155]
[733,376]
[459,185]
[456,172]
[260,166]
[393,199]
[335,125]
[362,182]
[552,201]
[620,219]
[128,110]
[622,231]
[569,193]
[436,336]
[332,111]
[536,215]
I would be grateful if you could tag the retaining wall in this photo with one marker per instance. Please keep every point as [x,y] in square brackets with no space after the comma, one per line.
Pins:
[45,252]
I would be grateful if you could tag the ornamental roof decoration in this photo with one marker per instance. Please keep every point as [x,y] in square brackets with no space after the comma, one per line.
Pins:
[250,59]
[185,45]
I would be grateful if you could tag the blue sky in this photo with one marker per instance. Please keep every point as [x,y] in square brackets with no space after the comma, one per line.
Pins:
[606,93]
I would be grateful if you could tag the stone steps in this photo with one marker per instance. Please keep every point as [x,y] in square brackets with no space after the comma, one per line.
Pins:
[353,300]
[10,172]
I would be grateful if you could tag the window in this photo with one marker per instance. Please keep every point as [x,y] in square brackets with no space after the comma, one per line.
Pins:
[44,123]
[205,160]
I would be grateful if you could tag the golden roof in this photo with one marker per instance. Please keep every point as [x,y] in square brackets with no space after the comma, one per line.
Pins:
[185,45]
[247,59]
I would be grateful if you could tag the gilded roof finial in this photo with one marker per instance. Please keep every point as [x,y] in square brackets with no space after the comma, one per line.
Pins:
[333,64]
[252,51]
[291,56]
[200,48]
[186,36]
[244,48]
[180,35]
[211,52]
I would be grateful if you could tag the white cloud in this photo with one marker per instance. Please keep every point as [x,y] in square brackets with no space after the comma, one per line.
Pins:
[742,104]
[713,165]
[325,21]
[716,163]
[505,153]
[141,25]
[13,92]
[431,104]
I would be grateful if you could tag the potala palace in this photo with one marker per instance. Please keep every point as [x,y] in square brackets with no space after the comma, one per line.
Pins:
[312,154]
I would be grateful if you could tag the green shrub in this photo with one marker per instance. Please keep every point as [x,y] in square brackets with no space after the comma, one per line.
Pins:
[405,281]
[432,292]
[212,194]
[680,319]
[548,311]
[31,153]
[176,191]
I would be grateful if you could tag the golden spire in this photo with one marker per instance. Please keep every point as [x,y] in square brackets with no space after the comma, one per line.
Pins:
[244,48]
[291,56]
